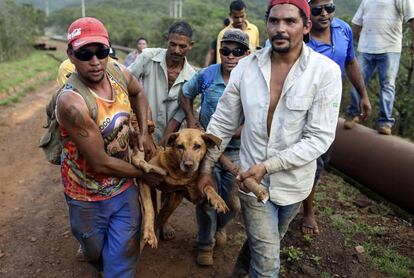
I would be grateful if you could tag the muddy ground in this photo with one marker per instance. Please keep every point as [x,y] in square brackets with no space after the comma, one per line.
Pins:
[35,238]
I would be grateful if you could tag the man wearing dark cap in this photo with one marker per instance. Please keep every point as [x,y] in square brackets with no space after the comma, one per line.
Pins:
[98,179]
[210,83]
[289,96]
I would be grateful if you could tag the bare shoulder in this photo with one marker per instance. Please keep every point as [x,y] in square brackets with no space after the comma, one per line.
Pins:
[71,108]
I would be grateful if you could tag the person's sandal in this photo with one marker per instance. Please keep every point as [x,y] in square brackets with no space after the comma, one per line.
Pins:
[351,121]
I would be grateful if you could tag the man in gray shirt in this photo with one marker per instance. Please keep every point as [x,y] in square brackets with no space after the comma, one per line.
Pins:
[164,72]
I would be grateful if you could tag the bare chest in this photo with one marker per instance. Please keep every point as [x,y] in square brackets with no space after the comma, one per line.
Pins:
[172,74]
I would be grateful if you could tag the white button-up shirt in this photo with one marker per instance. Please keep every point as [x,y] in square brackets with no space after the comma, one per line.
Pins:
[303,125]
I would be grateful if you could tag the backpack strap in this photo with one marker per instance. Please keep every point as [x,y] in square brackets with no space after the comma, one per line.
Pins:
[114,70]
[76,85]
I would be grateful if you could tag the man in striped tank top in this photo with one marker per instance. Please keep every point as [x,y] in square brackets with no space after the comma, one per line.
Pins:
[97,176]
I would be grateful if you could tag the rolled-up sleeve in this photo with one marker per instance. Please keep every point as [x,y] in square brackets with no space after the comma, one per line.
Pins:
[179,115]
[137,67]
[190,89]
[319,130]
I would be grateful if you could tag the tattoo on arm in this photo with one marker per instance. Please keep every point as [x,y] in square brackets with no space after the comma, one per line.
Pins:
[75,117]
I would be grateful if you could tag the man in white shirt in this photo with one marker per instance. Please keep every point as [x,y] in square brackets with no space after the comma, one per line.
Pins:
[380,24]
[290,97]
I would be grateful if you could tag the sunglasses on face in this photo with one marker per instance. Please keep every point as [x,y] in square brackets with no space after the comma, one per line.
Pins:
[237,52]
[86,55]
[329,8]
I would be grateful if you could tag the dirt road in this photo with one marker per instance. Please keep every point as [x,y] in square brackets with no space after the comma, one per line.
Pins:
[35,238]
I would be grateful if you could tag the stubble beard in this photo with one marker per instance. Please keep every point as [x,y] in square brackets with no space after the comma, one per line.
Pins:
[284,49]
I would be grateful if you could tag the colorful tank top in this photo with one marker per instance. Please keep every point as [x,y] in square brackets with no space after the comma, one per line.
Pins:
[80,182]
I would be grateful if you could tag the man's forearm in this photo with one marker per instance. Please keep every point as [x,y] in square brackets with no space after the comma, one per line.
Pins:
[210,159]
[187,107]
[411,22]
[141,111]
[112,166]
[356,30]
[172,126]
[237,134]
[355,77]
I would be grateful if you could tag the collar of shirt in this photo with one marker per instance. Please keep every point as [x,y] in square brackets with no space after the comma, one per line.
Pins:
[185,74]
[338,50]
[249,26]
[218,76]
[264,61]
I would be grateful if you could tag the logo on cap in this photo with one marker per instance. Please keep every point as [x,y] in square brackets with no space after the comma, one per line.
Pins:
[75,33]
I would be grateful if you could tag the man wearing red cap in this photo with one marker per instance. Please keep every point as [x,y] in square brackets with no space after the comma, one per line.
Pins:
[98,179]
[289,96]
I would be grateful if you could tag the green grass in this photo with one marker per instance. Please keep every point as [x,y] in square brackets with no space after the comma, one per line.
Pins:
[15,98]
[389,261]
[307,240]
[239,239]
[316,260]
[292,254]
[19,77]
[14,74]
[325,275]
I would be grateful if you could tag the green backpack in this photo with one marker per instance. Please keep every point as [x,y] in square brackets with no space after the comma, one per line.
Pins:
[51,141]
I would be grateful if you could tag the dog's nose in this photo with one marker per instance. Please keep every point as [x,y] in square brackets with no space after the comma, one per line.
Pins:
[188,164]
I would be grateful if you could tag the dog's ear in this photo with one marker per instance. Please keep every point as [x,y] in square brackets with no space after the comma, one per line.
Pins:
[211,140]
[171,139]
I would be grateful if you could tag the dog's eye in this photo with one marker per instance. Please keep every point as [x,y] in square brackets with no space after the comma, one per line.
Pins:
[196,146]
[180,146]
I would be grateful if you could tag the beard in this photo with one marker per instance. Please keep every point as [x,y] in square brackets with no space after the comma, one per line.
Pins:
[280,49]
[284,49]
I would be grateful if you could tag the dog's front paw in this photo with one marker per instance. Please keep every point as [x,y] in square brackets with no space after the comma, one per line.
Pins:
[215,200]
[150,238]
[219,205]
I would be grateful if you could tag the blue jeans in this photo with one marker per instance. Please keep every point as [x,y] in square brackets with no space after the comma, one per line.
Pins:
[108,232]
[207,218]
[388,64]
[266,224]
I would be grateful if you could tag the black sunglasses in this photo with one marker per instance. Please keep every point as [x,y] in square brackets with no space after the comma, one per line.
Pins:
[329,8]
[237,52]
[86,55]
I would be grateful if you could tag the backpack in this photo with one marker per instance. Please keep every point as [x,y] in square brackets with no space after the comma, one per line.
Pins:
[51,141]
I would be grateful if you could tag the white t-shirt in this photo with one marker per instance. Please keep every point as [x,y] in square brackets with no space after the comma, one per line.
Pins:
[381,22]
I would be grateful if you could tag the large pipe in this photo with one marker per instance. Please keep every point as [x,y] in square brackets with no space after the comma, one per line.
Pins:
[385,164]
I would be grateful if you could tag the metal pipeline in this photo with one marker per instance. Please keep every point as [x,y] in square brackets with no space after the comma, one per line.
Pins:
[385,164]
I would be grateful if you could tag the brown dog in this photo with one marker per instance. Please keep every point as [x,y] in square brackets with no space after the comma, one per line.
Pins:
[181,159]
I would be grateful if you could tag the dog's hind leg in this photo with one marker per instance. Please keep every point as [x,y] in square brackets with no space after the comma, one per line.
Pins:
[148,235]
[171,202]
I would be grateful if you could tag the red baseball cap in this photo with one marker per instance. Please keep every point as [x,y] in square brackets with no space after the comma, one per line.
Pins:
[301,4]
[87,30]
